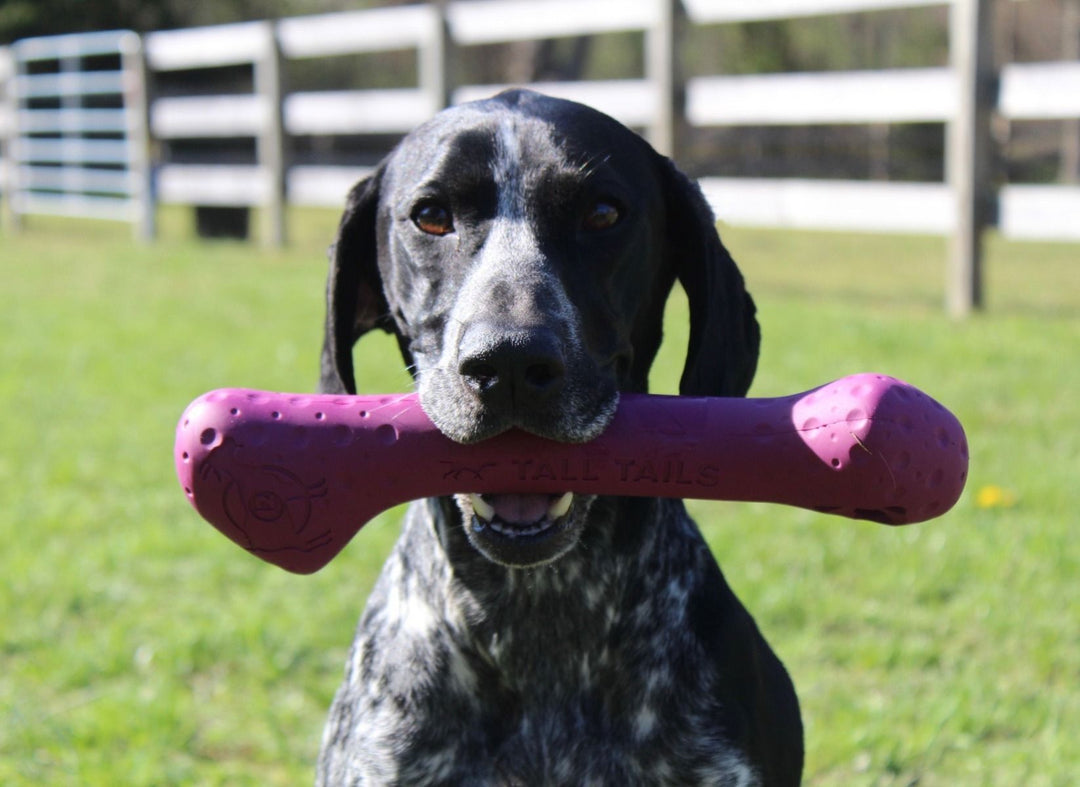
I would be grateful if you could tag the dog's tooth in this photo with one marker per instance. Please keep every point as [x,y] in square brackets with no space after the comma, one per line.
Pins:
[481,507]
[561,506]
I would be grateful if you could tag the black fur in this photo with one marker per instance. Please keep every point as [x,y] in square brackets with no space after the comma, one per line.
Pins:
[521,249]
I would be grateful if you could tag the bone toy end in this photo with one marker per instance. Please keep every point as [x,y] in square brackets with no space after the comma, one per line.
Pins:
[292,478]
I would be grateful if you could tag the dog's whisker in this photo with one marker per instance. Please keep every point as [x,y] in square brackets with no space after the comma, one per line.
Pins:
[593,163]
[392,402]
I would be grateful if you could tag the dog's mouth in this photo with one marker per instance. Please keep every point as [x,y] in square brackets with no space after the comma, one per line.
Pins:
[522,530]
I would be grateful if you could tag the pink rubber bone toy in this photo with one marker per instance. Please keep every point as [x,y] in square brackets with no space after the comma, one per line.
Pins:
[292,478]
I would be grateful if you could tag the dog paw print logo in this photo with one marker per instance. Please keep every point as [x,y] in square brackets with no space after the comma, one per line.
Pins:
[269,507]
[460,472]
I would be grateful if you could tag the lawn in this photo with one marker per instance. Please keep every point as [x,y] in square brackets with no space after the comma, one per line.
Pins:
[139,647]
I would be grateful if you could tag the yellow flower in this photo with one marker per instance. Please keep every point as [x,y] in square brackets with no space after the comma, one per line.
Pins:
[993,496]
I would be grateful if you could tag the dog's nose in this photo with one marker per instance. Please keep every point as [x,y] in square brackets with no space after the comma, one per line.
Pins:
[517,368]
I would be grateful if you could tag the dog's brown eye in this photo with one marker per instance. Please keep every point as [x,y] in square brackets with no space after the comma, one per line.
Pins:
[602,215]
[433,219]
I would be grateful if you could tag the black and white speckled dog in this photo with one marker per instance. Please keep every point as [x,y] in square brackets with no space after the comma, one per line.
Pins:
[522,249]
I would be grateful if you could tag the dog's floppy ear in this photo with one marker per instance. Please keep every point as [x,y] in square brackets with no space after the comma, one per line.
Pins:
[355,302]
[722,353]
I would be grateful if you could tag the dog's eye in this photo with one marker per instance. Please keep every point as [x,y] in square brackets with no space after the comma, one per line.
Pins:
[601,215]
[433,219]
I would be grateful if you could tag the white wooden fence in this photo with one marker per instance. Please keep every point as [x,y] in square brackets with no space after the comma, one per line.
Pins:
[960,95]
[270,47]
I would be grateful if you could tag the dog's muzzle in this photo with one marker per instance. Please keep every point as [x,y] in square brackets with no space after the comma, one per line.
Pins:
[522,530]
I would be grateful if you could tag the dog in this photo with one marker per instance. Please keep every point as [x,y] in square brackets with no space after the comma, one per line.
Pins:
[521,250]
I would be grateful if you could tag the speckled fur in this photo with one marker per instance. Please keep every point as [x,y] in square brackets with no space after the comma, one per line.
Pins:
[585,671]
[625,659]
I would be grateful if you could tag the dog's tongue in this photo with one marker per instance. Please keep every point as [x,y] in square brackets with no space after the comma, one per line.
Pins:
[520,509]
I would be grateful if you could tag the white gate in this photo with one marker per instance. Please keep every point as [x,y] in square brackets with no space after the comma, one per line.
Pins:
[79,142]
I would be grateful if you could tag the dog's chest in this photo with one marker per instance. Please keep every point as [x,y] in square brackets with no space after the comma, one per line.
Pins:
[571,677]
[599,719]
[569,745]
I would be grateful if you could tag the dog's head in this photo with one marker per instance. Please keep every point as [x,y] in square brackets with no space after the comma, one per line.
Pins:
[522,249]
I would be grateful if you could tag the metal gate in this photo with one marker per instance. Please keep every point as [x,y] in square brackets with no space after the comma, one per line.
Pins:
[79,145]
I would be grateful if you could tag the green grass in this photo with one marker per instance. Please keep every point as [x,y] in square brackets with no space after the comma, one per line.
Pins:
[139,647]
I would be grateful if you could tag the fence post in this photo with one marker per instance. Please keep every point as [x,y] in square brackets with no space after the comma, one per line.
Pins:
[1070,129]
[436,60]
[270,145]
[661,69]
[137,108]
[968,150]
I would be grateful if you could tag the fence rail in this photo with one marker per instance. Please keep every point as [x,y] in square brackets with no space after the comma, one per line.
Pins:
[914,95]
[962,96]
[712,11]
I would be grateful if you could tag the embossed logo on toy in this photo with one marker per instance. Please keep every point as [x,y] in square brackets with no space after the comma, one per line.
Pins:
[584,468]
[268,507]
[669,465]
[667,470]
[595,467]
[458,471]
